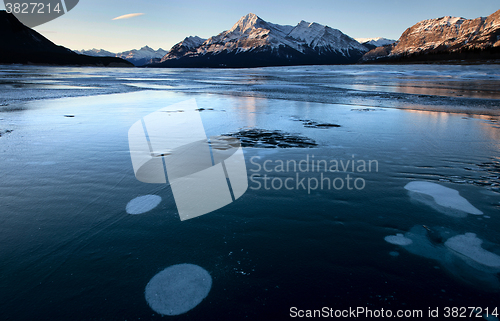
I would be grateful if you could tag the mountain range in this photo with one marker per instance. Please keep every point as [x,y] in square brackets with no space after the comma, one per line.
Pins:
[445,38]
[253,42]
[138,57]
[24,45]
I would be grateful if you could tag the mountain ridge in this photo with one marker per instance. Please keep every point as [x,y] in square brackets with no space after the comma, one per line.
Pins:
[254,42]
[372,43]
[445,38]
[138,57]
[377,41]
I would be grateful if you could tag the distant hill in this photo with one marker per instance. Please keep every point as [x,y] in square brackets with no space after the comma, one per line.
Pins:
[253,42]
[372,43]
[23,45]
[445,38]
[96,53]
[138,57]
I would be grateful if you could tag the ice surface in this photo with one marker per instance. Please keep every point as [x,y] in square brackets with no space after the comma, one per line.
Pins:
[56,207]
[178,289]
[469,245]
[409,87]
[143,204]
[398,239]
[443,196]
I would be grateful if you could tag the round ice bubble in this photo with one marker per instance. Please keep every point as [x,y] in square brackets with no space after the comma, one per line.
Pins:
[143,204]
[398,239]
[443,196]
[178,289]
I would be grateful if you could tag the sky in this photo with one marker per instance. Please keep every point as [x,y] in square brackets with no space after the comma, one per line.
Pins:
[163,23]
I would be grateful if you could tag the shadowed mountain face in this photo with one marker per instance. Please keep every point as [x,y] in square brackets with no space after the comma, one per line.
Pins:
[23,45]
[253,42]
[446,38]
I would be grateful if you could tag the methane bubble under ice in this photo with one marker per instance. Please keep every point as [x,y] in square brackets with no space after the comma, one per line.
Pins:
[441,198]
[143,204]
[470,246]
[461,255]
[398,239]
[178,289]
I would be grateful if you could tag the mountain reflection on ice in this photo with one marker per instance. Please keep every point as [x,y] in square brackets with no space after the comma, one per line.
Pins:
[457,88]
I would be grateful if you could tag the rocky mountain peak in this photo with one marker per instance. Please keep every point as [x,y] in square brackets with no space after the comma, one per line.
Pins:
[248,23]
[254,42]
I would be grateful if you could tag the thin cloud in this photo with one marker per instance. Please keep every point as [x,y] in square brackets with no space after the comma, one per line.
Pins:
[128,16]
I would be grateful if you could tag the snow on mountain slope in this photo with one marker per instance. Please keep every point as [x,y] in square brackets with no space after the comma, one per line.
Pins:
[96,53]
[316,35]
[143,53]
[284,43]
[377,42]
[192,42]
[181,48]
[450,34]
[445,38]
[250,32]
[138,57]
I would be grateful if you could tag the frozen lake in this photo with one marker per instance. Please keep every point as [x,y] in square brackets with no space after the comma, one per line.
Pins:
[70,248]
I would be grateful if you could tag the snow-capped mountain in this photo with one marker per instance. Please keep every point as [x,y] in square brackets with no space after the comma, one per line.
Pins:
[445,38]
[450,34]
[142,56]
[377,42]
[181,48]
[96,53]
[324,38]
[253,42]
[192,42]
[138,57]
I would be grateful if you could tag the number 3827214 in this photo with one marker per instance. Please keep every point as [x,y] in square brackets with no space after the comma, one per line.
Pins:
[32,7]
